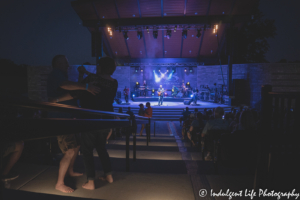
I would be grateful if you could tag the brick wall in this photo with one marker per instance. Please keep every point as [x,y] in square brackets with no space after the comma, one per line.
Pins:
[284,77]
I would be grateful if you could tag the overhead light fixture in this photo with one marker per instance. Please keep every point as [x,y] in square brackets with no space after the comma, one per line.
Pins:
[168,69]
[174,69]
[184,34]
[136,70]
[109,31]
[184,69]
[139,35]
[175,28]
[126,35]
[155,34]
[158,69]
[169,34]
[191,69]
[198,33]
[137,83]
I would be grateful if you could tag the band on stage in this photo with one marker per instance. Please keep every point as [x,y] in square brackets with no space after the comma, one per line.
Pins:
[184,91]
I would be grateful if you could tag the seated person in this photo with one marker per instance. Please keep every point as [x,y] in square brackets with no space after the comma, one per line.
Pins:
[185,115]
[12,151]
[196,126]
[215,124]
[186,125]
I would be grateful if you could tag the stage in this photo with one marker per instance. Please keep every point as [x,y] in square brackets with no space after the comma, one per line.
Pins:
[169,111]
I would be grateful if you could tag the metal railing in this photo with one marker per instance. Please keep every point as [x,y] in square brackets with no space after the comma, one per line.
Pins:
[16,129]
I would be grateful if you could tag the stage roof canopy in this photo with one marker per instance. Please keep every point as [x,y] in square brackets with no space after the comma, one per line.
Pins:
[204,21]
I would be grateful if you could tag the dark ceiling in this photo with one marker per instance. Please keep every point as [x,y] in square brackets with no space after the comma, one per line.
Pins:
[206,14]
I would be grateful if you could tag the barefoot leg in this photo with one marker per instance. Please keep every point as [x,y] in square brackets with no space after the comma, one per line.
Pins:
[63,167]
[107,178]
[70,169]
[90,185]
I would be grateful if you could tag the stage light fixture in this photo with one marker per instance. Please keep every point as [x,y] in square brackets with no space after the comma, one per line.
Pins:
[126,36]
[133,95]
[139,35]
[109,31]
[159,69]
[147,29]
[187,84]
[184,34]
[153,90]
[184,69]
[198,33]
[142,70]
[169,34]
[191,69]
[137,83]
[136,69]
[173,70]
[155,34]
[175,28]
[192,95]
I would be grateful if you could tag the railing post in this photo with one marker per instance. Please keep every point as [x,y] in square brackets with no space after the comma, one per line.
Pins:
[134,146]
[147,134]
[154,128]
[149,125]
[128,131]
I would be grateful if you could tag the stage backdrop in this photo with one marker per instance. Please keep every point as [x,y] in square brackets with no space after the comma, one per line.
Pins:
[154,77]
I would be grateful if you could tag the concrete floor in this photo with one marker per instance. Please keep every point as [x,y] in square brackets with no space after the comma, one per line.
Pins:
[167,169]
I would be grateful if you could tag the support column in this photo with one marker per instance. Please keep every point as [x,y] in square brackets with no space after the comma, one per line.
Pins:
[230,52]
[97,45]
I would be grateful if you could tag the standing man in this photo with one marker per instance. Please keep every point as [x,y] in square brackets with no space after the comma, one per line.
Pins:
[126,93]
[59,89]
[160,93]
[195,96]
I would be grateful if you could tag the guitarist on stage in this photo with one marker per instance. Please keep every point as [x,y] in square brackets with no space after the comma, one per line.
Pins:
[160,93]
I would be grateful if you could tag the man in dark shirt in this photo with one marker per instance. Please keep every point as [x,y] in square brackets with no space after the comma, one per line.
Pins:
[59,89]
[126,93]
[185,115]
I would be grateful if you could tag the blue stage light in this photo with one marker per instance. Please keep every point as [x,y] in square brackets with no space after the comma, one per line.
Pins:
[157,79]
[170,76]
[192,95]
[152,94]
[133,95]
